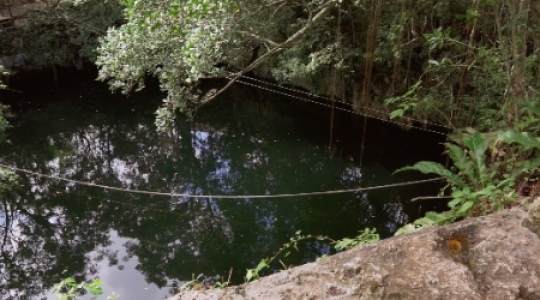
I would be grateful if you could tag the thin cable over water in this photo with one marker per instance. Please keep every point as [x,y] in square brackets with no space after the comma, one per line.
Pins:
[288,195]
[298,91]
[338,108]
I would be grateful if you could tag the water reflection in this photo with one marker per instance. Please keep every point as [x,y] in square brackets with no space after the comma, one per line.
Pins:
[50,229]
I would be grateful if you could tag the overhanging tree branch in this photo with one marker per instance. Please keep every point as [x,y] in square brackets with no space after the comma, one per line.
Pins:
[322,11]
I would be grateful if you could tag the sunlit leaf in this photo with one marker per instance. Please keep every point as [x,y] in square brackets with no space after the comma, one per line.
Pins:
[466,206]
[428,167]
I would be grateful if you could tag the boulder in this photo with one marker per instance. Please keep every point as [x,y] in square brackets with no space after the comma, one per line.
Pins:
[496,257]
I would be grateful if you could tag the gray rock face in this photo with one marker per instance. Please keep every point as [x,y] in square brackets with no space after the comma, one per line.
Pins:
[533,219]
[496,257]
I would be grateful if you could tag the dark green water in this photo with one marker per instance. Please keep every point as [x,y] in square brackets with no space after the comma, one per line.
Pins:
[246,143]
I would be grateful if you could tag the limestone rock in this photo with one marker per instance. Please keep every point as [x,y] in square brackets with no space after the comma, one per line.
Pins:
[493,257]
[533,218]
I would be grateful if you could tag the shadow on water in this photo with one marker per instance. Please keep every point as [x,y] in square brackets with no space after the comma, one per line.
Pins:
[248,142]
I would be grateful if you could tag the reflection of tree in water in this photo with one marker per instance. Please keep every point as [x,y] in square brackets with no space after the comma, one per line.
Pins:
[52,225]
[41,239]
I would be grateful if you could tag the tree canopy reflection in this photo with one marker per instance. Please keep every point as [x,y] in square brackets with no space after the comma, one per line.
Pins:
[48,228]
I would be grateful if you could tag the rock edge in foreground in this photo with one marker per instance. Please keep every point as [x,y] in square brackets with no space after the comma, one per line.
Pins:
[496,257]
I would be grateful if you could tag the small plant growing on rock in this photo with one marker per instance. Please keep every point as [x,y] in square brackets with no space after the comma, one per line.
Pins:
[431,219]
[193,284]
[253,274]
[366,236]
[483,175]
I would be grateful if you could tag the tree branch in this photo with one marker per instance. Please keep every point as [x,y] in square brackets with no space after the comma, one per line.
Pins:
[323,9]
[261,38]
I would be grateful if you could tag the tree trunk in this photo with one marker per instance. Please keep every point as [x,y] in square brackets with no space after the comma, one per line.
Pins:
[518,88]
[371,45]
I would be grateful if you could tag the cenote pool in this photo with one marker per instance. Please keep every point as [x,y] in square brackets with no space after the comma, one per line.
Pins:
[248,142]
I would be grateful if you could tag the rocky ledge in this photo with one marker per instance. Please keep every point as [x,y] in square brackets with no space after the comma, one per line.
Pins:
[496,257]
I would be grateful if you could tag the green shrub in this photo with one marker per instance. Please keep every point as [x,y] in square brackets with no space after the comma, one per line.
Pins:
[482,179]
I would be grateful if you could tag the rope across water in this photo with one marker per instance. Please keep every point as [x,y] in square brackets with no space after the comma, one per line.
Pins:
[288,195]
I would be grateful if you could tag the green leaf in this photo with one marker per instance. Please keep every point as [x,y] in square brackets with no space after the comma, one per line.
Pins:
[430,219]
[397,113]
[96,282]
[367,236]
[343,244]
[487,191]
[70,282]
[477,145]
[454,202]
[429,167]
[524,139]
[466,206]
[94,287]
[527,166]
[95,290]
[442,218]
[406,229]
[261,265]
[461,161]
[249,275]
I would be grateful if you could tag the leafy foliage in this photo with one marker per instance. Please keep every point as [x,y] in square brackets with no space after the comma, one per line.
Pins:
[474,63]
[65,33]
[366,236]
[69,289]
[181,42]
[431,219]
[255,273]
[193,284]
[177,42]
[483,175]
[465,78]
[4,124]
[8,179]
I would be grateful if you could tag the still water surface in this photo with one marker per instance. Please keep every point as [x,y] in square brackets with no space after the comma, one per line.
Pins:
[246,143]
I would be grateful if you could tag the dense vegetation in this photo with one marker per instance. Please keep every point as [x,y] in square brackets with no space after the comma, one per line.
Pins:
[464,64]
[461,64]
[58,33]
